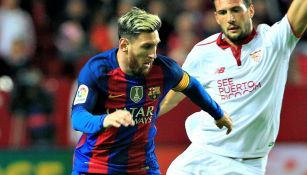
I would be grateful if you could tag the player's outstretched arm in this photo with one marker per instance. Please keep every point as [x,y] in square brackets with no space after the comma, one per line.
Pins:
[200,97]
[297,15]
[171,100]
[84,121]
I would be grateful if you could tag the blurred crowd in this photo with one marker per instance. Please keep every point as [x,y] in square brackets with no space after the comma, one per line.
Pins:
[57,37]
[42,39]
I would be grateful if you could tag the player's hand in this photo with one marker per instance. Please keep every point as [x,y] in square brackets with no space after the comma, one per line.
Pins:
[225,121]
[118,118]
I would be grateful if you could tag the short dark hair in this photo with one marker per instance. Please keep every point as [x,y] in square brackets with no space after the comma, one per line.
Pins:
[246,2]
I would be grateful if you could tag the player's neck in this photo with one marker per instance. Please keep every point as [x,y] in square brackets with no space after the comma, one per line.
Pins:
[232,44]
[123,62]
[242,41]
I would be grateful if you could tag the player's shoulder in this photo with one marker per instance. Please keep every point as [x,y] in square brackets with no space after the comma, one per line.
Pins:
[208,42]
[99,65]
[167,64]
[164,60]
[205,46]
[103,61]
[262,29]
[277,26]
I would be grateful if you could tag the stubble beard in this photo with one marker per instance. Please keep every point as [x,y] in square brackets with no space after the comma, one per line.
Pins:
[237,39]
[137,70]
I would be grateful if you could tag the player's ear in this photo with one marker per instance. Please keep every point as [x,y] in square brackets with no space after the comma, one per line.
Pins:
[123,44]
[251,11]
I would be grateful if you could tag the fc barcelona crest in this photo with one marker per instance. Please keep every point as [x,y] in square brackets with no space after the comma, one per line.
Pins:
[154,92]
[136,93]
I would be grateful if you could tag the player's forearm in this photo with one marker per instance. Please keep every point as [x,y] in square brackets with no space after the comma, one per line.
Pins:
[171,100]
[85,122]
[297,15]
[199,96]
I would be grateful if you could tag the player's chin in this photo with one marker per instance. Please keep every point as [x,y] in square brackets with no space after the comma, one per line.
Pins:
[146,71]
[142,72]
[233,35]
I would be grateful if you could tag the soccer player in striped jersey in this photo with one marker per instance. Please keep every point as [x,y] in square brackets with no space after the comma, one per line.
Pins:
[118,97]
[244,69]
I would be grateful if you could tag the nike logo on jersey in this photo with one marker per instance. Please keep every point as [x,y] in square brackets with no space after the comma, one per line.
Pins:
[111,96]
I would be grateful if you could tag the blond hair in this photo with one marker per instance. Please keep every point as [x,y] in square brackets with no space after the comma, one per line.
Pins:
[137,21]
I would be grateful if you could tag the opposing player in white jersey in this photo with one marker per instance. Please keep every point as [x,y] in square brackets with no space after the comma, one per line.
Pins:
[244,69]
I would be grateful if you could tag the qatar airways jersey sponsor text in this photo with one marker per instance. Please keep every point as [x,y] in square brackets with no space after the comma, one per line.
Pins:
[141,115]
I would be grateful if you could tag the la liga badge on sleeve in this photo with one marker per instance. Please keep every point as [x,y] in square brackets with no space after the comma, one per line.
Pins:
[81,94]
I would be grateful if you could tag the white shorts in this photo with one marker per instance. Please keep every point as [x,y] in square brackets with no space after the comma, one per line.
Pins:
[197,161]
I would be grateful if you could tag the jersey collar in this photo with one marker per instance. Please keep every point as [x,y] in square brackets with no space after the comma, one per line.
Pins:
[224,44]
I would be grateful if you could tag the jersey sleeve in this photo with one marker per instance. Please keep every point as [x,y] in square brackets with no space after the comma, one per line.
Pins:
[82,119]
[191,87]
[174,74]
[281,37]
[194,64]
[85,94]
[183,83]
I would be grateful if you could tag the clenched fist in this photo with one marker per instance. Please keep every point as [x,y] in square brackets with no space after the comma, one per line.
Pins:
[118,118]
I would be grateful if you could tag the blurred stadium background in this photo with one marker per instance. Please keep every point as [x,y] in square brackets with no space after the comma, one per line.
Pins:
[43,45]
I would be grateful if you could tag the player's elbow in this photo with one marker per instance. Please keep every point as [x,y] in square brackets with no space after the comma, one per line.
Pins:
[74,122]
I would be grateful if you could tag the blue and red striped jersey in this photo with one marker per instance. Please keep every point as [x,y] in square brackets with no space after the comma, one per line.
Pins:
[103,88]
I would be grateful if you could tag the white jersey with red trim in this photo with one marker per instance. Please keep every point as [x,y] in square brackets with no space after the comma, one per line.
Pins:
[248,83]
